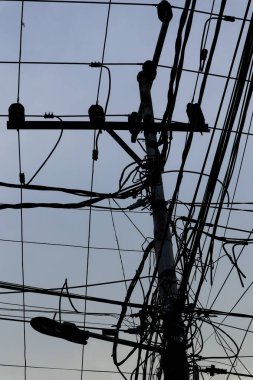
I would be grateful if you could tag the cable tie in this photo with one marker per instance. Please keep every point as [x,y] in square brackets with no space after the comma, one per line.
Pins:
[95,154]
[229,18]
[49,115]
[215,371]
[95,64]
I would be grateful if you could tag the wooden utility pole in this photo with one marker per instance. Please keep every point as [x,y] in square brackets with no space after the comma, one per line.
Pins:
[173,356]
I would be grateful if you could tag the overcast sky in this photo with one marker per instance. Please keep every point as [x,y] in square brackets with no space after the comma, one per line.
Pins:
[75,33]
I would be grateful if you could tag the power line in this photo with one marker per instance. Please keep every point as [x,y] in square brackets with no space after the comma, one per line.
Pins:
[104,46]
[82,63]
[87,2]
[21,175]
[63,369]
[71,245]
[32,289]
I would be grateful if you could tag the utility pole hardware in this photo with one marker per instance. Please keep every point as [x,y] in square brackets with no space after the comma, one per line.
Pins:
[173,357]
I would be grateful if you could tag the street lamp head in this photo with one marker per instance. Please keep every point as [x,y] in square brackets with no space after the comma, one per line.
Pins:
[66,330]
[46,326]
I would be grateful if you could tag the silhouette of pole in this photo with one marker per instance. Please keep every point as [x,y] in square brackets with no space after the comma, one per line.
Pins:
[173,357]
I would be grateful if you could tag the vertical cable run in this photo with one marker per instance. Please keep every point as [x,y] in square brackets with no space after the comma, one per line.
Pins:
[103,54]
[91,187]
[117,242]
[21,192]
[20,47]
[208,27]
[22,255]
[88,254]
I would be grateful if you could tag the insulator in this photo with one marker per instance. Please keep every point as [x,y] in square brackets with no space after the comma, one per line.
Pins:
[195,114]
[133,127]
[16,113]
[203,54]
[97,116]
[149,70]
[22,178]
[164,11]
[132,118]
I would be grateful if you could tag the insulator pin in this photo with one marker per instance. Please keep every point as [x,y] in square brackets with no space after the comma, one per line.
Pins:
[97,116]
[16,113]
[195,115]
[149,70]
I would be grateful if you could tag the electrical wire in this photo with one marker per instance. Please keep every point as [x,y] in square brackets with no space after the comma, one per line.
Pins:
[104,46]
[21,175]
[190,242]
[20,48]
[48,157]
[100,2]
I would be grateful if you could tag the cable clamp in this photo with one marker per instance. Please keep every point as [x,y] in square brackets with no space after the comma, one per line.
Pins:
[95,64]
[22,178]
[49,115]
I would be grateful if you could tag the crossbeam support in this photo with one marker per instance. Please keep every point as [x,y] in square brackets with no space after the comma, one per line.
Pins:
[109,125]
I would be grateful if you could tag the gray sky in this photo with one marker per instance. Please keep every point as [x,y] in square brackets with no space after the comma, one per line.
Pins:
[75,33]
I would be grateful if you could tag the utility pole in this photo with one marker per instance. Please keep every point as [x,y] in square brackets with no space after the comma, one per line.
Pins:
[172,350]
[173,356]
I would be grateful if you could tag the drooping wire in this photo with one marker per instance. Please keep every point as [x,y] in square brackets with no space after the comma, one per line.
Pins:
[104,46]
[244,66]
[65,286]
[102,66]
[242,342]
[213,46]
[47,158]
[98,64]
[218,115]
[204,44]
[118,246]
[236,185]
[131,221]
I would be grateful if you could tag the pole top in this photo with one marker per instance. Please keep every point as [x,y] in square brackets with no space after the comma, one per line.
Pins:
[164,11]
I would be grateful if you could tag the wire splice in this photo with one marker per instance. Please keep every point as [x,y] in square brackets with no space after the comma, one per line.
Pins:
[229,18]
[95,154]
